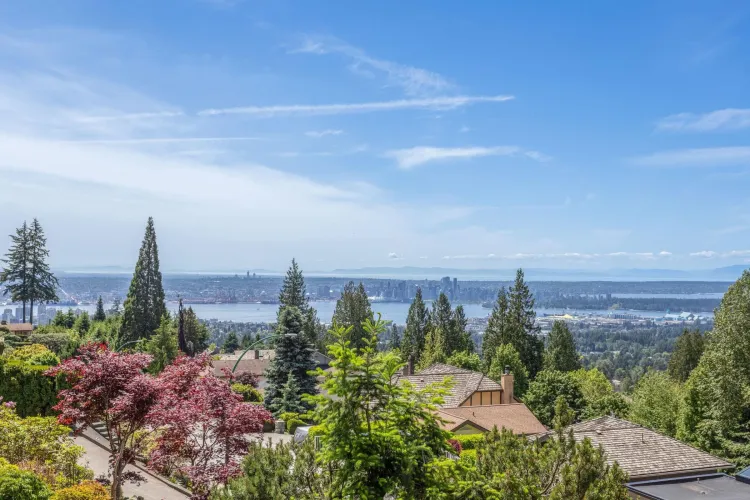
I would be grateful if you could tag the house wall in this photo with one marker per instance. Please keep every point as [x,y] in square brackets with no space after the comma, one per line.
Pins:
[483,398]
[467,428]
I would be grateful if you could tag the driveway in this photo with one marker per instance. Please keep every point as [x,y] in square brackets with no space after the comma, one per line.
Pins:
[97,458]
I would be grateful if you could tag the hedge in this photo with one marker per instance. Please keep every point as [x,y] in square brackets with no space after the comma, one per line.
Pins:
[469,441]
[17,484]
[87,490]
[26,385]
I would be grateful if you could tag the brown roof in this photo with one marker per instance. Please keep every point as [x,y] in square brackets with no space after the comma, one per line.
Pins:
[465,382]
[255,366]
[19,327]
[515,417]
[643,453]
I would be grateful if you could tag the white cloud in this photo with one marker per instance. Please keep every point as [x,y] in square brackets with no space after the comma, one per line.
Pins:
[412,157]
[130,116]
[722,119]
[443,103]
[164,140]
[322,133]
[707,254]
[414,81]
[699,157]
[393,256]
[664,253]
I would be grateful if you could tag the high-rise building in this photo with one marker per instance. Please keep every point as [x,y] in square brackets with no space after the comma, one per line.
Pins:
[455,288]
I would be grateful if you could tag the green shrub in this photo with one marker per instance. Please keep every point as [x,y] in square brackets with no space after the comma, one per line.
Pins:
[293,420]
[469,441]
[249,393]
[17,484]
[469,456]
[87,490]
[63,344]
[35,354]
[26,385]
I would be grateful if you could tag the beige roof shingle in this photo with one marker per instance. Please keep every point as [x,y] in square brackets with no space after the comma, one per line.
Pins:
[465,382]
[515,417]
[643,453]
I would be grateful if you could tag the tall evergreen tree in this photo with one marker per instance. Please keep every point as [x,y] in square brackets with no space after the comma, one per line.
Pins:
[417,322]
[353,309]
[494,336]
[14,275]
[294,294]
[442,315]
[290,400]
[293,356]
[461,335]
[100,315]
[561,354]
[434,348]
[522,331]
[163,345]
[181,342]
[144,305]
[82,324]
[196,333]
[231,343]
[395,341]
[42,284]
[687,353]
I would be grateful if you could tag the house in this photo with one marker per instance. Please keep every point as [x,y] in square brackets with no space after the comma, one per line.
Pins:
[646,455]
[713,486]
[475,402]
[19,328]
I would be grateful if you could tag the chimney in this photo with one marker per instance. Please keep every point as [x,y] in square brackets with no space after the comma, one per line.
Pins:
[506,382]
[409,367]
[256,354]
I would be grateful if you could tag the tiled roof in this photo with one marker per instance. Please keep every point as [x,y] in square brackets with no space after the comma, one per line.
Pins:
[465,382]
[254,366]
[19,327]
[643,453]
[515,417]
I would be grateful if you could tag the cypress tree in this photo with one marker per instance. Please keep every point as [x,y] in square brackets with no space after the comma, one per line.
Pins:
[14,275]
[181,342]
[415,333]
[352,309]
[561,354]
[494,335]
[293,356]
[144,305]
[100,315]
[522,330]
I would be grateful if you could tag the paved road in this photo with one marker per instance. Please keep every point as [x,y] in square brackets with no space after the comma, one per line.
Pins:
[97,458]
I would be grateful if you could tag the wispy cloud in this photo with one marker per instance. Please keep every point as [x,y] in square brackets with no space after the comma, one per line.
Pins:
[722,119]
[414,81]
[165,140]
[707,254]
[129,116]
[710,254]
[698,157]
[394,256]
[412,157]
[322,133]
[442,103]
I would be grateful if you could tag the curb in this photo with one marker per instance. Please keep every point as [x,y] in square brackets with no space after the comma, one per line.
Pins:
[145,470]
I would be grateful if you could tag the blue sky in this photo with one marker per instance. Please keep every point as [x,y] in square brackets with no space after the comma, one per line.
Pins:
[480,135]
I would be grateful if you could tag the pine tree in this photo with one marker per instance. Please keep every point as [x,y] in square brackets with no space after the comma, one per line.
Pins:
[442,316]
[461,334]
[494,335]
[42,284]
[100,315]
[82,324]
[290,400]
[417,322]
[522,330]
[181,342]
[561,354]
[293,294]
[14,275]
[353,309]
[144,306]
[293,355]
[231,343]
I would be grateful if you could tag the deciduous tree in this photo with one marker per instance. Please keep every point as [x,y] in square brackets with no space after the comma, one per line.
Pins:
[656,402]
[507,356]
[543,392]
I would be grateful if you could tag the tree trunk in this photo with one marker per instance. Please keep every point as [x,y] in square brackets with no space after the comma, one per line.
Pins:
[31,311]
[23,320]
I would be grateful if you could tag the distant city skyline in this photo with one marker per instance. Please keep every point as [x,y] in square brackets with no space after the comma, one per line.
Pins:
[491,135]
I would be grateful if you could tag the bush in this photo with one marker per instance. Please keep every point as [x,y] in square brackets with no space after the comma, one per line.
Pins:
[469,441]
[63,344]
[249,393]
[247,378]
[17,484]
[25,384]
[469,456]
[87,490]
[34,354]
[293,420]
